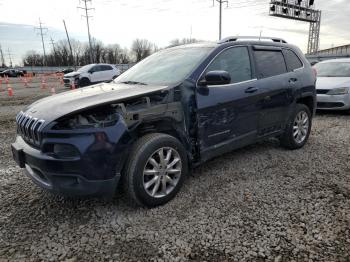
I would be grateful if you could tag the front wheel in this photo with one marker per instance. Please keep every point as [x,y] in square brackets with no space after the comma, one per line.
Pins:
[155,170]
[298,128]
[84,82]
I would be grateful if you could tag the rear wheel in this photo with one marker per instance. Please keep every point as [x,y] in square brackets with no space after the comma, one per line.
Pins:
[155,170]
[298,129]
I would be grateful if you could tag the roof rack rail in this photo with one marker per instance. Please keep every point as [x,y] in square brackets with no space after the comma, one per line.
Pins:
[258,38]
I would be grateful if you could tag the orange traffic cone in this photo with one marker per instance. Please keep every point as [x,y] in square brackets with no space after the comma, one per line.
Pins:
[43,84]
[25,82]
[53,91]
[10,91]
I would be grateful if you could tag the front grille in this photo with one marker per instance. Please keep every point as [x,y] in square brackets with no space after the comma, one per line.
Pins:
[329,104]
[29,128]
[322,91]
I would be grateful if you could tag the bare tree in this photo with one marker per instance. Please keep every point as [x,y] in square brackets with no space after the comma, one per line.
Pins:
[61,56]
[183,41]
[141,48]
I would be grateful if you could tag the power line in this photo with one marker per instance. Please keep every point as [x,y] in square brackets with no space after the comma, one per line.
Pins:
[43,31]
[87,16]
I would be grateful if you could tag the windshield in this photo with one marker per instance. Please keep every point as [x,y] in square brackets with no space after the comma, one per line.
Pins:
[84,68]
[166,67]
[333,69]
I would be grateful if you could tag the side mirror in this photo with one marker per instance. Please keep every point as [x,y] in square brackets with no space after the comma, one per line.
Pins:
[216,78]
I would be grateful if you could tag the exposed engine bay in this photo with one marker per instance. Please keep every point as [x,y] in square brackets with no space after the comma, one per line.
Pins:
[133,112]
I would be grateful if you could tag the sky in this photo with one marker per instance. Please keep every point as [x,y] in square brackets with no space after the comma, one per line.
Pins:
[160,21]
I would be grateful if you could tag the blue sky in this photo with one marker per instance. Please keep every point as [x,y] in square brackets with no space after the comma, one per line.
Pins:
[121,21]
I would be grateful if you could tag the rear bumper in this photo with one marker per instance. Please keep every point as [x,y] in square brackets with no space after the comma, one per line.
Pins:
[333,102]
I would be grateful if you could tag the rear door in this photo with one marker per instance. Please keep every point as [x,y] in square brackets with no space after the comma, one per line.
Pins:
[273,78]
[228,114]
[107,72]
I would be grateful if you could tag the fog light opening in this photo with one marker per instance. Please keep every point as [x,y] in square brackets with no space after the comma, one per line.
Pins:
[65,151]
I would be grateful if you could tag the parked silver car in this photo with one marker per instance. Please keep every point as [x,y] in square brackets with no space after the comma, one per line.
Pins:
[333,84]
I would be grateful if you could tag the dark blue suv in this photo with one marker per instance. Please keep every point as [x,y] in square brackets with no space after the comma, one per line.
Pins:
[169,113]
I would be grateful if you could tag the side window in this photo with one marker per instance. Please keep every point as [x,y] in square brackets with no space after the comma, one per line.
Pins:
[106,67]
[236,62]
[270,63]
[293,61]
[97,68]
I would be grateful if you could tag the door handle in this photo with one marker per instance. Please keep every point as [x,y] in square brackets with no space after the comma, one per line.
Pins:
[293,80]
[251,89]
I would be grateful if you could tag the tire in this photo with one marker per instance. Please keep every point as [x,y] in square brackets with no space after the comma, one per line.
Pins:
[84,82]
[290,139]
[141,176]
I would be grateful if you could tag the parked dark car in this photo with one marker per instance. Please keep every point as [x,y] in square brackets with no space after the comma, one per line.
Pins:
[171,112]
[65,71]
[11,73]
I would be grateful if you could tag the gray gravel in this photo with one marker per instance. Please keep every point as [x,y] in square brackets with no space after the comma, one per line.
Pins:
[260,203]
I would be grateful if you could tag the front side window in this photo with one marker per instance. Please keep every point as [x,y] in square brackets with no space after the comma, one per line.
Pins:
[236,62]
[106,67]
[97,68]
[270,63]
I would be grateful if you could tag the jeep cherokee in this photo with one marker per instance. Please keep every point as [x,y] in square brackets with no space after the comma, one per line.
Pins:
[169,113]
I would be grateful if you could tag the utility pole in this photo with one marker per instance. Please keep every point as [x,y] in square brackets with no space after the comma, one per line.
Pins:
[220,14]
[2,57]
[54,50]
[87,16]
[42,33]
[70,46]
[9,54]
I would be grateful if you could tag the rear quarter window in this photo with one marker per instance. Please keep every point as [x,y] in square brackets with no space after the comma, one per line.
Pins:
[292,60]
[269,63]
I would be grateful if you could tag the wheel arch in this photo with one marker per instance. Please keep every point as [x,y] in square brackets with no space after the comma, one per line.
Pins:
[309,101]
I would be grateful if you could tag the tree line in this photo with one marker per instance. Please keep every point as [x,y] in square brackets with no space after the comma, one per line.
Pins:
[60,54]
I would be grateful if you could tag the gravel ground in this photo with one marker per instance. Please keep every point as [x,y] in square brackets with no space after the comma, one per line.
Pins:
[260,203]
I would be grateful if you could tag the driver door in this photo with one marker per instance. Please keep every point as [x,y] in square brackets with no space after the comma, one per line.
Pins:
[228,114]
[97,74]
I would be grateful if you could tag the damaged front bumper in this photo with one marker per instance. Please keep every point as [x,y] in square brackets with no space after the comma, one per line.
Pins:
[93,167]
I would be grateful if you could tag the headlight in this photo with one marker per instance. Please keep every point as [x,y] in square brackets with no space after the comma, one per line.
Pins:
[96,118]
[339,91]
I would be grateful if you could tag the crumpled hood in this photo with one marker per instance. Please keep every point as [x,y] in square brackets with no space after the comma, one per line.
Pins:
[72,74]
[332,82]
[54,107]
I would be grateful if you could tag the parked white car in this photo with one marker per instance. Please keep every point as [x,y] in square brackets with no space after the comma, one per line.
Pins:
[333,84]
[91,74]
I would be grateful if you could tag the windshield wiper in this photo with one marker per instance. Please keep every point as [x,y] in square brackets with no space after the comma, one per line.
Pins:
[133,83]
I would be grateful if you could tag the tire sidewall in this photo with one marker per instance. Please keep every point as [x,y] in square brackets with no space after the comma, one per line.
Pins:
[84,82]
[298,109]
[140,162]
